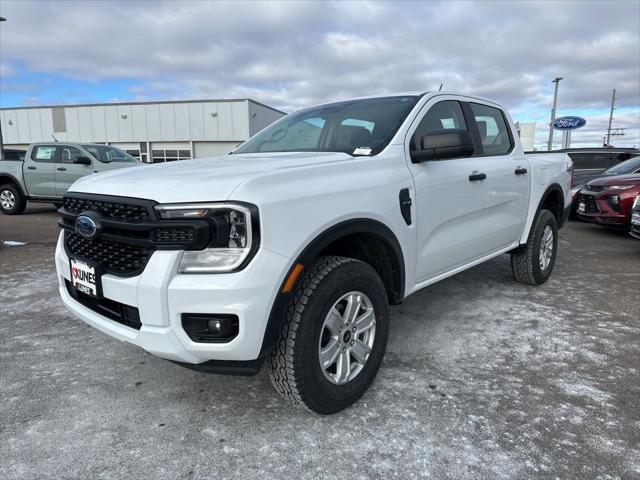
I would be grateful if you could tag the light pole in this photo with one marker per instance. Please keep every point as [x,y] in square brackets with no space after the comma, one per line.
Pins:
[553,112]
[2,19]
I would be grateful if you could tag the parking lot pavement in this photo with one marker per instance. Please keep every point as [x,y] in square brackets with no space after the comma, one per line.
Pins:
[483,378]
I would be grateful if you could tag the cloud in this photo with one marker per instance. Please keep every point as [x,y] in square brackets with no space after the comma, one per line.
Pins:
[293,54]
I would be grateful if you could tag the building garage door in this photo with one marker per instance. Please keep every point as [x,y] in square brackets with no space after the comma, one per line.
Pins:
[170,151]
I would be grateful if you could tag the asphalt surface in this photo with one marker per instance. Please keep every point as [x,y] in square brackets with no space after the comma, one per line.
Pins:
[483,378]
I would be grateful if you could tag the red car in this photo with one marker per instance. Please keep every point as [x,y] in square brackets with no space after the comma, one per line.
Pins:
[608,201]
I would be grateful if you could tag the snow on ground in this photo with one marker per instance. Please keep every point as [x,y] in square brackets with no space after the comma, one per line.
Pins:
[483,378]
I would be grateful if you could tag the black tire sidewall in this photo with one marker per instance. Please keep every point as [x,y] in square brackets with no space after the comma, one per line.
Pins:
[546,218]
[319,393]
[19,206]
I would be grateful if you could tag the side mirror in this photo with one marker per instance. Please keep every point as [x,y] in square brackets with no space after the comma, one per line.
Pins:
[443,144]
[82,160]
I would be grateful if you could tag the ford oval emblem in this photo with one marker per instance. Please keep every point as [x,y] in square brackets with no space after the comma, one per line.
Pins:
[86,227]
[568,123]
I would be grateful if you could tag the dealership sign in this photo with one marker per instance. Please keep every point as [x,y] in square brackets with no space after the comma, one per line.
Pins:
[568,123]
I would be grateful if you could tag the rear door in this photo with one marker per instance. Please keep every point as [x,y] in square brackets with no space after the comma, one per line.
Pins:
[67,171]
[508,175]
[451,198]
[40,172]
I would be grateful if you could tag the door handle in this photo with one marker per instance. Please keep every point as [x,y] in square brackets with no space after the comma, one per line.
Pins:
[31,168]
[61,169]
[474,177]
[520,171]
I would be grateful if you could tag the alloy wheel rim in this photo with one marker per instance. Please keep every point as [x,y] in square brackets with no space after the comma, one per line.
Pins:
[7,199]
[546,248]
[347,338]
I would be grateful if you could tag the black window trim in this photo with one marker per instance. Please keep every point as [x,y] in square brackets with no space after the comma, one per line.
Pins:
[53,159]
[476,131]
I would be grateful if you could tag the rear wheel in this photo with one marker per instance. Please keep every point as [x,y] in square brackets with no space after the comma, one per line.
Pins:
[533,263]
[11,200]
[333,337]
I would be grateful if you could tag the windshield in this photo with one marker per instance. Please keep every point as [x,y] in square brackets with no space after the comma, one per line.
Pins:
[628,166]
[356,127]
[108,154]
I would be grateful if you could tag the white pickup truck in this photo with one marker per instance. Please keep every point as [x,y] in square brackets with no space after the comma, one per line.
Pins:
[291,248]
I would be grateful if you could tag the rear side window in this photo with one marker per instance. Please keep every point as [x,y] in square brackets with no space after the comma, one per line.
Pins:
[443,115]
[493,129]
[44,153]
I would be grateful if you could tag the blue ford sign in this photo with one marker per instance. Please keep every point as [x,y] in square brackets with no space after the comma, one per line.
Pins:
[568,123]
[86,227]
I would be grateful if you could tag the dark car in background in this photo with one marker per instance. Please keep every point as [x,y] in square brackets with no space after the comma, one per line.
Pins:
[635,218]
[13,154]
[607,201]
[598,159]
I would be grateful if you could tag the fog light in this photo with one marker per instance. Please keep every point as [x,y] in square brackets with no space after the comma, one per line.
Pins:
[210,328]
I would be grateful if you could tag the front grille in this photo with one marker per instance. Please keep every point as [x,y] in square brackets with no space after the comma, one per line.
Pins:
[108,209]
[128,231]
[116,311]
[173,235]
[111,257]
[590,203]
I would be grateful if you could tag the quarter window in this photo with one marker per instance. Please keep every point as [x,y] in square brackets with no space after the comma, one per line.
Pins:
[494,133]
[44,153]
[442,116]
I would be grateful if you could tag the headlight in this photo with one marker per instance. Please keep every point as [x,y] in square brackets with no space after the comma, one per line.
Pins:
[618,187]
[235,232]
[636,202]
[576,189]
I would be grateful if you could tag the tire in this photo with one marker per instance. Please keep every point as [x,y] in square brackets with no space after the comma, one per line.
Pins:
[12,202]
[526,263]
[296,372]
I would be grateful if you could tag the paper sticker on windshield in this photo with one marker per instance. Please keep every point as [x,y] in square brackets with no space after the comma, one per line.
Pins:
[362,151]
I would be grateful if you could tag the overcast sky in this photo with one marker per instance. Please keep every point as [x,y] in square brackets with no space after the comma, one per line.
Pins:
[294,54]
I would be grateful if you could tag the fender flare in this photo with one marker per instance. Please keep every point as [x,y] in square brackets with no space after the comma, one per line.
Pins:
[15,181]
[554,187]
[311,251]
[563,215]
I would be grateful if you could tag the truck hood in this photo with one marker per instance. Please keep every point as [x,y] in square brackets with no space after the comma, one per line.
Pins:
[200,180]
[629,179]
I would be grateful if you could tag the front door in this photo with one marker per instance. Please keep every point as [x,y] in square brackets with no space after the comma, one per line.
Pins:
[40,172]
[67,171]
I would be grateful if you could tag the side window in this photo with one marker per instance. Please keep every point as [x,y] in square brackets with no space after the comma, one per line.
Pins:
[69,153]
[442,115]
[44,153]
[494,132]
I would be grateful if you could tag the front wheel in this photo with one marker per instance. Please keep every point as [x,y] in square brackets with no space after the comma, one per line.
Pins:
[533,263]
[333,337]
[11,200]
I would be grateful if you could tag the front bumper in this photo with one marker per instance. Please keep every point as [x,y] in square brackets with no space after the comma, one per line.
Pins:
[599,210]
[162,295]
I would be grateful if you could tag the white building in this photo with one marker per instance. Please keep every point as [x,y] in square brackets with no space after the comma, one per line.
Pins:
[151,131]
[527,132]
